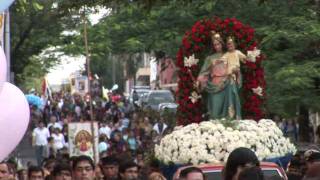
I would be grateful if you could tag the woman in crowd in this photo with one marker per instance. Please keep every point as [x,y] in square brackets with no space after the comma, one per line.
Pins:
[239,159]
[58,138]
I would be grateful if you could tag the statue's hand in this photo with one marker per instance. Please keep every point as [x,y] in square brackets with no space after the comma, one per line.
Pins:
[236,70]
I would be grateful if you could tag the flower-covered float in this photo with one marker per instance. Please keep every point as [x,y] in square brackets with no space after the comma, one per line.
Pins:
[213,141]
[220,65]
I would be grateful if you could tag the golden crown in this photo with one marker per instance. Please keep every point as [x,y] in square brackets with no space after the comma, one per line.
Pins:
[230,39]
[215,36]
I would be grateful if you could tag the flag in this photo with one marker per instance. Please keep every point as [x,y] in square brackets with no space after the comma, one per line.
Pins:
[45,89]
[105,92]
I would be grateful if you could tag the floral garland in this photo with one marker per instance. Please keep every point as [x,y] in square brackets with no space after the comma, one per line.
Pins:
[213,141]
[195,47]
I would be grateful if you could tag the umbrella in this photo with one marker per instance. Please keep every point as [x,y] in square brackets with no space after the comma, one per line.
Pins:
[35,100]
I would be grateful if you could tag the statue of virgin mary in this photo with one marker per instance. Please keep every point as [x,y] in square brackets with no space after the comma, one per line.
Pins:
[219,83]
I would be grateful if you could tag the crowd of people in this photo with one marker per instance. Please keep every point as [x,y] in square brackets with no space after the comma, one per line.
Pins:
[290,128]
[80,168]
[125,131]
[242,164]
[127,136]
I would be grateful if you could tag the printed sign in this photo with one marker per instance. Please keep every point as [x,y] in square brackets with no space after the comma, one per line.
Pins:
[81,139]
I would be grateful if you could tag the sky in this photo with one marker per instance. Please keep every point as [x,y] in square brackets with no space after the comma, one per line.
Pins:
[62,71]
[69,64]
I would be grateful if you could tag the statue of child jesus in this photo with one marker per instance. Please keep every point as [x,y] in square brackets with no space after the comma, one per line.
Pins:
[233,57]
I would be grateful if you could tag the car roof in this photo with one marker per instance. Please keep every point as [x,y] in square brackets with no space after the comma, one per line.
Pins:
[140,90]
[160,91]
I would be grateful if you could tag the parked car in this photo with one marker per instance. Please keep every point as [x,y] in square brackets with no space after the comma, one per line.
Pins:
[159,100]
[214,171]
[141,91]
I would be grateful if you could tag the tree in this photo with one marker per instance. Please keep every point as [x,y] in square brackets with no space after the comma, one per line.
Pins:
[35,27]
[293,67]
[288,30]
[130,30]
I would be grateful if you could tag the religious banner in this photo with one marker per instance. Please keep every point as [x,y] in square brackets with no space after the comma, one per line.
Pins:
[2,18]
[81,139]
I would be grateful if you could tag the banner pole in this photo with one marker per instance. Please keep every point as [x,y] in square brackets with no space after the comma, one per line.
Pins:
[85,37]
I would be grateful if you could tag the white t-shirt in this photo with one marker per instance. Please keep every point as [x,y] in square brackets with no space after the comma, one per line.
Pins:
[105,130]
[55,125]
[59,141]
[41,136]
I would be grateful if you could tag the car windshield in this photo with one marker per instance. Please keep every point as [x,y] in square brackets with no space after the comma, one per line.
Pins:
[213,175]
[141,93]
[270,173]
[163,97]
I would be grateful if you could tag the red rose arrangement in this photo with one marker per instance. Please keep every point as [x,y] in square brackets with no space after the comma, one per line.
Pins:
[197,42]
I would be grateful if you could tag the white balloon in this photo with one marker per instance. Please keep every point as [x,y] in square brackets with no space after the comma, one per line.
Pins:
[14,118]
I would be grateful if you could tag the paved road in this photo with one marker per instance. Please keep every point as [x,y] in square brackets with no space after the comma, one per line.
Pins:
[25,152]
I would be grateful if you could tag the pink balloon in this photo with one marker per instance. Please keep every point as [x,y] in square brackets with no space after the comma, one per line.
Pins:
[3,66]
[14,118]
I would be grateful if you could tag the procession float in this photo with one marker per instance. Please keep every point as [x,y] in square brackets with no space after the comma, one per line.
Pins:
[220,65]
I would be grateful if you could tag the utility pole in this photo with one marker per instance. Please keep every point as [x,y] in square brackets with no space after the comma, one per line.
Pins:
[85,37]
[113,70]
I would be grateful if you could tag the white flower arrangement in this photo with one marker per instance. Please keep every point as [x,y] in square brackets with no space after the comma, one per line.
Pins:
[212,141]
[190,61]
[252,55]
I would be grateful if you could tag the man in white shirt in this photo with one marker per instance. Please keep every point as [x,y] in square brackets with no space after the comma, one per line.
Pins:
[39,140]
[160,126]
[105,129]
[54,123]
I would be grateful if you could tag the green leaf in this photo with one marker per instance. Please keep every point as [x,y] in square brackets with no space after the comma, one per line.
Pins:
[37,6]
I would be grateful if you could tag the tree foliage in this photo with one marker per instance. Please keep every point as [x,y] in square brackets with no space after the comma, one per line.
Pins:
[35,27]
[288,32]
